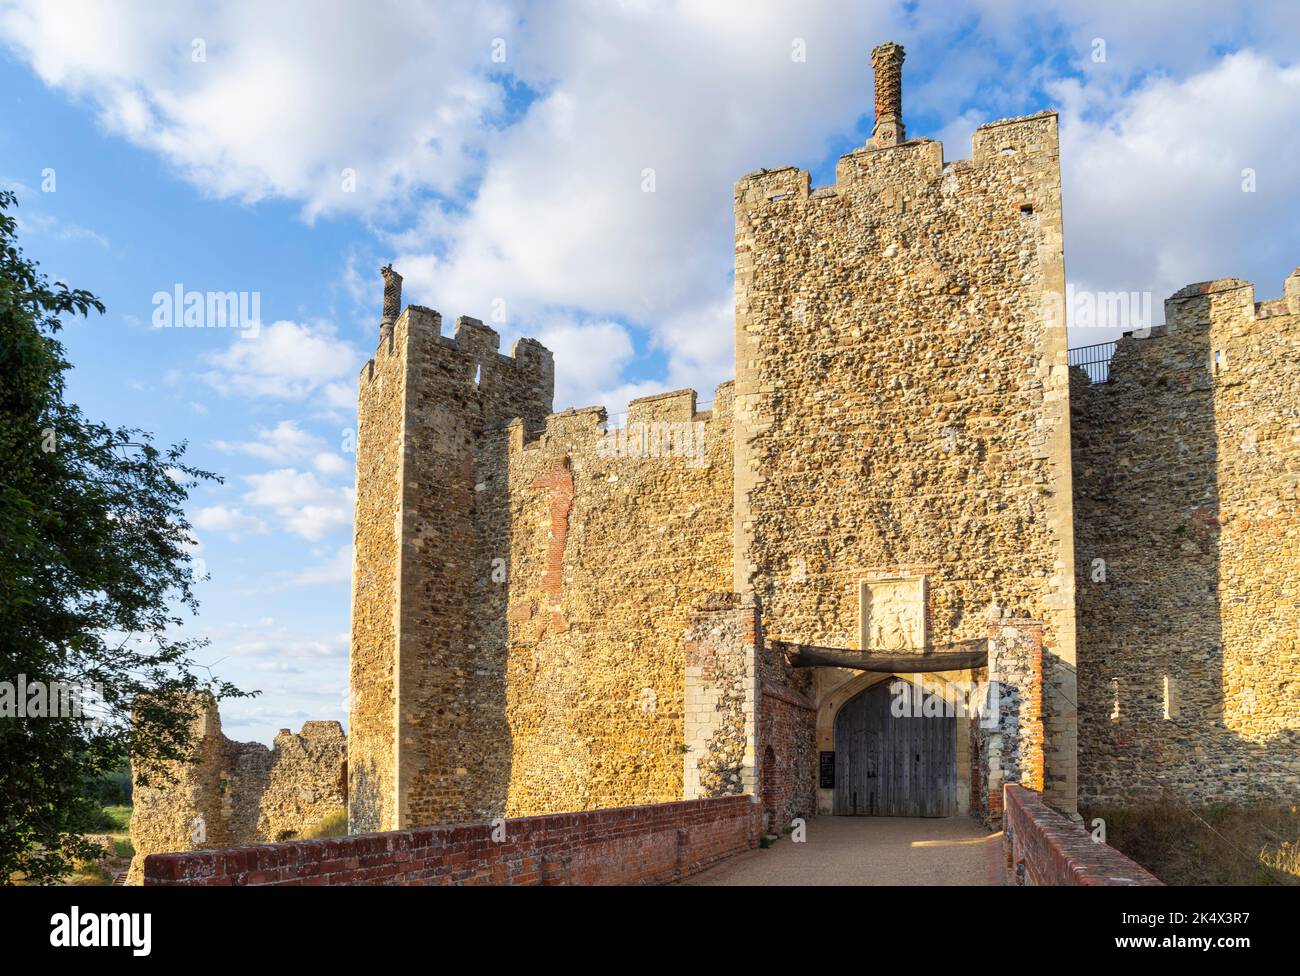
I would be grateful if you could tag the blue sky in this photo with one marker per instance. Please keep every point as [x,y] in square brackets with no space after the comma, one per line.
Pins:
[497,153]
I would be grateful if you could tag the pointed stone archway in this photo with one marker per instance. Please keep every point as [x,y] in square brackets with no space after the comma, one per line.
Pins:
[889,764]
[838,688]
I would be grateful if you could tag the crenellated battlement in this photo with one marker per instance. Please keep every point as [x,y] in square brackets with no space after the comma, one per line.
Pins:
[470,338]
[1223,297]
[1007,145]
[1213,331]
[659,413]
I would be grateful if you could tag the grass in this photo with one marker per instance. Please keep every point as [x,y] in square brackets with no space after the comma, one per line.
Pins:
[89,874]
[115,822]
[331,825]
[1214,845]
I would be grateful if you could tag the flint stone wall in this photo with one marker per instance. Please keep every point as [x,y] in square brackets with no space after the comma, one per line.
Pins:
[901,397]
[1187,467]
[239,792]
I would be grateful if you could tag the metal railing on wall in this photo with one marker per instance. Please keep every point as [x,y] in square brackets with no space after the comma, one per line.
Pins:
[1094,359]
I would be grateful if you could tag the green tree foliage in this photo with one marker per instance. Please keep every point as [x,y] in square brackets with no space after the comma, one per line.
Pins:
[95,570]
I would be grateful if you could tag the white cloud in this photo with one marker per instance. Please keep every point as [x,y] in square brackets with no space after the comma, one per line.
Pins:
[327,462]
[302,502]
[232,521]
[287,361]
[482,199]
[286,441]
[562,218]
[335,568]
[589,358]
[397,93]
[284,644]
[48,225]
[1153,181]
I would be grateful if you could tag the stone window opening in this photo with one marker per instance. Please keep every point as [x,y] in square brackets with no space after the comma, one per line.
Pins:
[478,374]
[1026,210]
[1171,704]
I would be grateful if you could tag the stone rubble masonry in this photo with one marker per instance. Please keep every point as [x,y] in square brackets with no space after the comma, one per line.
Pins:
[1011,749]
[427,701]
[239,792]
[902,398]
[523,582]
[1045,848]
[631,845]
[742,695]
[1187,507]
[721,698]
[609,545]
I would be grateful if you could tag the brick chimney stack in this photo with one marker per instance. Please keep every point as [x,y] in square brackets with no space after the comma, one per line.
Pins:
[392,300]
[887,60]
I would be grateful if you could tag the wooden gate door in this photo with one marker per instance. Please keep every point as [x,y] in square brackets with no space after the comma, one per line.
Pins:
[893,767]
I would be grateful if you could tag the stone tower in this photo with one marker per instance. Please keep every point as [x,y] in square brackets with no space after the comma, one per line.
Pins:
[422,567]
[901,402]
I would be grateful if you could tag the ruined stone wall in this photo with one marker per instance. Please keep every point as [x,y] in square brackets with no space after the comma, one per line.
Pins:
[239,792]
[1187,464]
[901,397]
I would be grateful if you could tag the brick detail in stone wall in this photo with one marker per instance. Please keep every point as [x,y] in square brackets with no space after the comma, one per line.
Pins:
[1009,742]
[1042,847]
[653,844]
[1187,514]
[721,697]
[593,713]
[239,792]
[560,482]
[788,738]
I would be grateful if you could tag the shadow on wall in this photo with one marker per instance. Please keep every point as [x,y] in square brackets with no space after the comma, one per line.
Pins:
[1184,466]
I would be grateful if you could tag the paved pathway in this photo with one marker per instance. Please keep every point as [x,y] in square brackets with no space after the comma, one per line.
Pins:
[870,851]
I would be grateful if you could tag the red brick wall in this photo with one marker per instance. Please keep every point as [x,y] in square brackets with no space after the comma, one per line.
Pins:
[1044,847]
[651,844]
[789,728]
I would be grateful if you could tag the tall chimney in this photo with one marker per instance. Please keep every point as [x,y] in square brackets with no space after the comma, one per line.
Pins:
[392,300]
[887,60]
